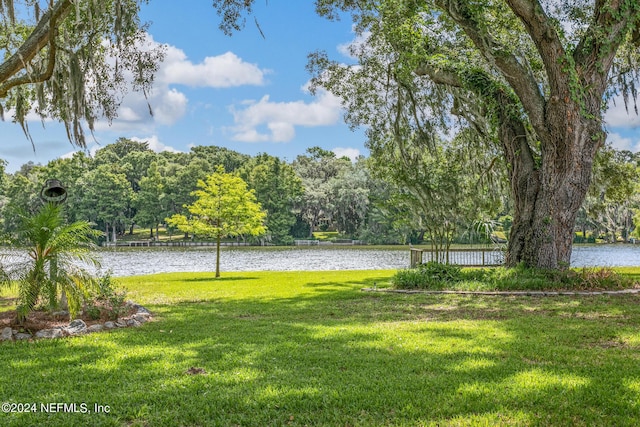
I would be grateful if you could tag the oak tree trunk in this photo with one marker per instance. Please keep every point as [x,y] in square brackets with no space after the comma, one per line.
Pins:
[549,193]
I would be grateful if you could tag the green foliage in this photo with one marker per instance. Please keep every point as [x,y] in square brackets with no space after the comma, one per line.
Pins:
[224,208]
[432,275]
[319,171]
[151,200]
[54,250]
[613,196]
[441,190]
[107,299]
[278,190]
[106,198]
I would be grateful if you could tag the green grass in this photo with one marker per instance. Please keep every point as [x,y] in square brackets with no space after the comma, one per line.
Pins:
[326,235]
[310,348]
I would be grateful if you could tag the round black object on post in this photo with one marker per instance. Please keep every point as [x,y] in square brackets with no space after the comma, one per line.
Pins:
[53,191]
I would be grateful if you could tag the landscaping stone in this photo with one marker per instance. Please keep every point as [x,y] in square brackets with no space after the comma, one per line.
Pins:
[50,333]
[141,310]
[61,314]
[22,336]
[95,328]
[76,327]
[134,323]
[7,334]
[142,318]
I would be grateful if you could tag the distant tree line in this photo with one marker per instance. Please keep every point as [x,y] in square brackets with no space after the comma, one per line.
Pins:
[390,198]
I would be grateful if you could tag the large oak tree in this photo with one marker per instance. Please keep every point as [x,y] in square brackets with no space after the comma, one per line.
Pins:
[531,76]
[72,61]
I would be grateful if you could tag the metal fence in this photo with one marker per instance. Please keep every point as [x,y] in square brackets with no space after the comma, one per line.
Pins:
[483,257]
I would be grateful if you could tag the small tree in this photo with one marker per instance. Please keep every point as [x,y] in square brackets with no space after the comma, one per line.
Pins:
[224,208]
[54,250]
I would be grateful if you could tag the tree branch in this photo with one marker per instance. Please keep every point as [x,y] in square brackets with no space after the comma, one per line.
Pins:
[440,76]
[546,39]
[41,36]
[515,146]
[518,76]
[597,49]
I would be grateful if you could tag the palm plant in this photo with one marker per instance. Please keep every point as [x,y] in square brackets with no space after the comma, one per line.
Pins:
[58,255]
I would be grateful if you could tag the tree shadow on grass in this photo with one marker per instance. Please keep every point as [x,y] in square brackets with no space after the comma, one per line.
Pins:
[345,357]
[217,279]
[200,277]
[431,371]
[362,283]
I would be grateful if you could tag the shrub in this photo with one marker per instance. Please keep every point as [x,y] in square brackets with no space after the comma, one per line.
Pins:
[436,276]
[432,275]
[107,300]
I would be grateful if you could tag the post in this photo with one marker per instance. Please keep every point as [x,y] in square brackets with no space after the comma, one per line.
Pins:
[416,257]
[54,192]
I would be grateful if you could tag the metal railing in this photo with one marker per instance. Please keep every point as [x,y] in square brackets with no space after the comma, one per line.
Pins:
[478,257]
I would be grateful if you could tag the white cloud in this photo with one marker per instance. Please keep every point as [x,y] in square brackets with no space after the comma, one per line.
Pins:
[617,115]
[155,144]
[351,153]
[351,48]
[222,71]
[172,107]
[167,103]
[90,151]
[620,142]
[281,118]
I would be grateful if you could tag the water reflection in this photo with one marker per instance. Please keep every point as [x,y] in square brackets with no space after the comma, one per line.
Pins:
[127,262]
[148,261]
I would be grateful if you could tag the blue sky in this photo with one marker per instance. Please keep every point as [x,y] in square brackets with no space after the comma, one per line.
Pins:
[243,92]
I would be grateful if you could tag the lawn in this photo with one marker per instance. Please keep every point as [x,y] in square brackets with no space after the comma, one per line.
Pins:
[310,348]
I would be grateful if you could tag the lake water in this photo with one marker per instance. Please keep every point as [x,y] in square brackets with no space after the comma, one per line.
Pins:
[152,260]
[127,262]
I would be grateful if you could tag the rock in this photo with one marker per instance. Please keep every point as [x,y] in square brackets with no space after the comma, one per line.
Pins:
[134,323]
[76,327]
[109,325]
[141,310]
[50,333]
[95,328]
[7,334]
[22,336]
[142,318]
